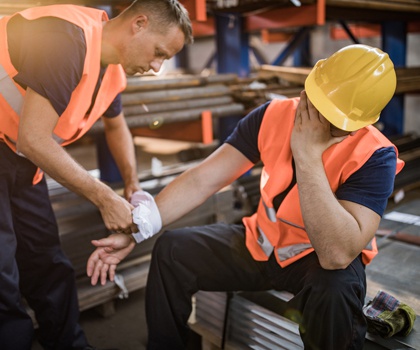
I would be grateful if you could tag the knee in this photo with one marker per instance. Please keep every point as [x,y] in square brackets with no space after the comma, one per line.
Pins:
[337,285]
[169,245]
[166,240]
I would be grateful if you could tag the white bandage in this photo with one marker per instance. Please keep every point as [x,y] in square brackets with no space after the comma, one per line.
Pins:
[145,215]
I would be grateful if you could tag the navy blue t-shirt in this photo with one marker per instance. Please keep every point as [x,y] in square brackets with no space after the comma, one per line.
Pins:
[49,55]
[369,186]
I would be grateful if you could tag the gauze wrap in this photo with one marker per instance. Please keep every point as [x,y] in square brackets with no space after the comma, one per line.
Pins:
[145,215]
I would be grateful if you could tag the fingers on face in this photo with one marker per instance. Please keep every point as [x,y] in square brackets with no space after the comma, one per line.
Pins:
[302,111]
[311,111]
[314,112]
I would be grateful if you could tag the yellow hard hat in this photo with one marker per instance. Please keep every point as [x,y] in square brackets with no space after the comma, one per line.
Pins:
[352,86]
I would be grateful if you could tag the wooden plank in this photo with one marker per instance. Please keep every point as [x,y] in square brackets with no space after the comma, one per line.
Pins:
[296,75]
[408,79]
[147,83]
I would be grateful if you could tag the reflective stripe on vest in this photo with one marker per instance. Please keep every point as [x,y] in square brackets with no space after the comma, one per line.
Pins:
[270,212]
[290,251]
[292,224]
[283,253]
[264,243]
[10,91]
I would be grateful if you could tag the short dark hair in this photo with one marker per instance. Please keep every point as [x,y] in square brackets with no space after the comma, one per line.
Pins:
[163,14]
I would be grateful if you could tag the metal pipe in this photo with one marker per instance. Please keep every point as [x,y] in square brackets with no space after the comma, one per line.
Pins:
[174,94]
[175,105]
[175,116]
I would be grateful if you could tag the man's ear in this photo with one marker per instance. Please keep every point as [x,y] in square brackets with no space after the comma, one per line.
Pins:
[140,22]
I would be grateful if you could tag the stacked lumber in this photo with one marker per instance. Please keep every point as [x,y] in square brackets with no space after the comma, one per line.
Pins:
[294,75]
[408,79]
[151,101]
[256,90]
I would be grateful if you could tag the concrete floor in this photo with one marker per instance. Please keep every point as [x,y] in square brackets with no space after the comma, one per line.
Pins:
[124,330]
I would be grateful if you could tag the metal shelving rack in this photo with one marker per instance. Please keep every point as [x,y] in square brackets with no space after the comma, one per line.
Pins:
[233,24]
[232,21]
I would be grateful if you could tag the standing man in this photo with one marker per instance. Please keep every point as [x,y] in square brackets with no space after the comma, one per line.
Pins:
[326,178]
[62,67]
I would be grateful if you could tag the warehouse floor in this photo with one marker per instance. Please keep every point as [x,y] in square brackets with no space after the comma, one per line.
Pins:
[124,330]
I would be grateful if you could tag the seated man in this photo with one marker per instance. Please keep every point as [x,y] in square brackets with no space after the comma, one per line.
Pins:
[327,174]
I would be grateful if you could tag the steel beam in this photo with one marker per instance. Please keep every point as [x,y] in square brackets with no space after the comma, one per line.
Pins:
[300,37]
[394,42]
[232,43]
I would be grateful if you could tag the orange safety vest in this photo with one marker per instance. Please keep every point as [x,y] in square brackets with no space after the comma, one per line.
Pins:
[284,231]
[74,122]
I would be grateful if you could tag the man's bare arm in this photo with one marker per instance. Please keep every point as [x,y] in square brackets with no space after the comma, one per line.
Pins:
[35,141]
[195,185]
[120,143]
[338,230]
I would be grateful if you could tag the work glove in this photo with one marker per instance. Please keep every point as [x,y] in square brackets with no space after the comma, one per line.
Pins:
[145,215]
[387,316]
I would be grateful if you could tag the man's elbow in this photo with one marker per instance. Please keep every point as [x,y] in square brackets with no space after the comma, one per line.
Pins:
[334,261]
[25,146]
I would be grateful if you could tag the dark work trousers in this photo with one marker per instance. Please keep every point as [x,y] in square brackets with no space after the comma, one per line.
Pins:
[215,258]
[32,264]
